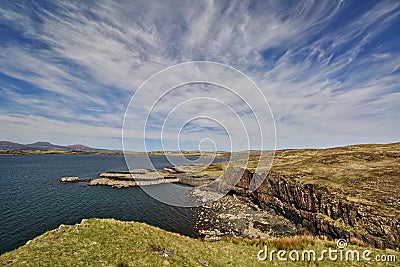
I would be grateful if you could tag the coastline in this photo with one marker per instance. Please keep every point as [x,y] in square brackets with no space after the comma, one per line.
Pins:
[314,190]
[110,152]
[307,190]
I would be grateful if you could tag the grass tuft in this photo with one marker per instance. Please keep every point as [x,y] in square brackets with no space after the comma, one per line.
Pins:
[296,242]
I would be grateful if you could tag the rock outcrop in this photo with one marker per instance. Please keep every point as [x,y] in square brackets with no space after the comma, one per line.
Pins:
[238,217]
[137,177]
[144,177]
[317,210]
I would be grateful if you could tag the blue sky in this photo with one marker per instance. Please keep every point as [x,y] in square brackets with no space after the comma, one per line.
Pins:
[329,69]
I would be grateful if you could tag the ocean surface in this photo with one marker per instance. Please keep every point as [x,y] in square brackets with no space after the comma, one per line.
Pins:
[32,201]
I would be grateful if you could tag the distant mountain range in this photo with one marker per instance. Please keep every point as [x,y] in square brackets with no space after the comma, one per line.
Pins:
[6,145]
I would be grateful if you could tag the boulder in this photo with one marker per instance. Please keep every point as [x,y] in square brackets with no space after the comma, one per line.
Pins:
[71,179]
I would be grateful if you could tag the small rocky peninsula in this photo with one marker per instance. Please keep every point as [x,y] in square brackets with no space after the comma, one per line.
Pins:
[142,177]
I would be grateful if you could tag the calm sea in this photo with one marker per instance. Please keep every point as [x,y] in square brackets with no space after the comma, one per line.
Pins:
[32,201]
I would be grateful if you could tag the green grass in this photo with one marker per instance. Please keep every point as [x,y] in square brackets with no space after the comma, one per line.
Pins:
[108,242]
[214,169]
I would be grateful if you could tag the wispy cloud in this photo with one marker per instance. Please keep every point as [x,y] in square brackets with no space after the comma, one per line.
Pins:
[328,68]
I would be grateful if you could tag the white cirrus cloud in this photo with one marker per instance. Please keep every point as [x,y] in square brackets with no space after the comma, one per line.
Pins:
[328,68]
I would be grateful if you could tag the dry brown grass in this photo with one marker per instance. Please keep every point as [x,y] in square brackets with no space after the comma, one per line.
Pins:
[295,242]
[358,242]
[284,243]
[365,174]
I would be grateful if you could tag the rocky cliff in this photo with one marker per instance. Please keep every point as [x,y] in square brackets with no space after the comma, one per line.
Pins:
[343,207]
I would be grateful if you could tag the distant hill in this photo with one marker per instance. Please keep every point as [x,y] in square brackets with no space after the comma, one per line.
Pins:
[6,145]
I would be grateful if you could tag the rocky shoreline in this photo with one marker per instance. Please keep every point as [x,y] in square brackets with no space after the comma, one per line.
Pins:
[239,217]
[309,191]
[280,207]
[317,211]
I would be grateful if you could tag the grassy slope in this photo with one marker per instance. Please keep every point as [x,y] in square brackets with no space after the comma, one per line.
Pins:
[107,242]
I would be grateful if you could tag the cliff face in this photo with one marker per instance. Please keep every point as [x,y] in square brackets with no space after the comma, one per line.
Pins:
[319,210]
